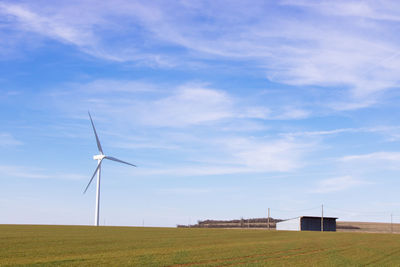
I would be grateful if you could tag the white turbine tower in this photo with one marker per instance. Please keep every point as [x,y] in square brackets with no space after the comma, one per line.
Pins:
[99,159]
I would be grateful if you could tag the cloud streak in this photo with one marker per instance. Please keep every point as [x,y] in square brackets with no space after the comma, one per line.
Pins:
[239,156]
[7,139]
[33,173]
[381,156]
[337,184]
[188,104]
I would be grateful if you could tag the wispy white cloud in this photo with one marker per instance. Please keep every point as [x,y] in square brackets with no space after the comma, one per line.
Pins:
[7,139]
[55,26]
[117,86]
[195,190]
[85,30]
[346,45]
[321,133]
[387,161]
[50,27]
[240,156]
[387,10]
[192,104]
[142,145]
[292,113]
[302,52]
[267,156]
[188,104]
[8,93]
[15,171]
[385,156]
[391,133]
[337,184]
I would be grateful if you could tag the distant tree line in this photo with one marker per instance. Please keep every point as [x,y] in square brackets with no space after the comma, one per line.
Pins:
[241,223]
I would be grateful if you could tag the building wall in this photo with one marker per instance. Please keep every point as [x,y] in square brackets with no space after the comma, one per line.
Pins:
[289,225]
[314,224]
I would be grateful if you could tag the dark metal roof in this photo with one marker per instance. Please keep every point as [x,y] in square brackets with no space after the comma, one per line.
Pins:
[309,217]
[318,217]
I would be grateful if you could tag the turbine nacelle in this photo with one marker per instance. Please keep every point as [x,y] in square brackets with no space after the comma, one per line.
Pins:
[99,157]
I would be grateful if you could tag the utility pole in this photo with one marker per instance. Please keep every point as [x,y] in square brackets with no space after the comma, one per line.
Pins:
[268,219]
[322,218]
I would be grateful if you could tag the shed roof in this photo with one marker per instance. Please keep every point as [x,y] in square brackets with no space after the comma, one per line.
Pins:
[318,217]
[310,217]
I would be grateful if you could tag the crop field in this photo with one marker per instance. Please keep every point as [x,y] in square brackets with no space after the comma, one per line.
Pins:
[29,245]
[368,227]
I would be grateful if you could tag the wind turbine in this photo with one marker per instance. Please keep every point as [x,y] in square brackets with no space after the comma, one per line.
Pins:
[99,159]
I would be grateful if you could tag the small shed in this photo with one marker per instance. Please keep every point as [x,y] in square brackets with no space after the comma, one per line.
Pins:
[307,223]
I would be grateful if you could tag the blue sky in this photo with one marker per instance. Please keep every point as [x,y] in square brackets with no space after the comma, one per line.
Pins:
[227,109]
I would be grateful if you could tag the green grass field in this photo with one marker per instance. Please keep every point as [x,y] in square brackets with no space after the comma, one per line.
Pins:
[130,246]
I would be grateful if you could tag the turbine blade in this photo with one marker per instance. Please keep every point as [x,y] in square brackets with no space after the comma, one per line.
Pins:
[91,179]
[95,133]
[118,160]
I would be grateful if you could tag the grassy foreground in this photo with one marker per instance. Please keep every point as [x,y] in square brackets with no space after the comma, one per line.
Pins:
[130,246]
